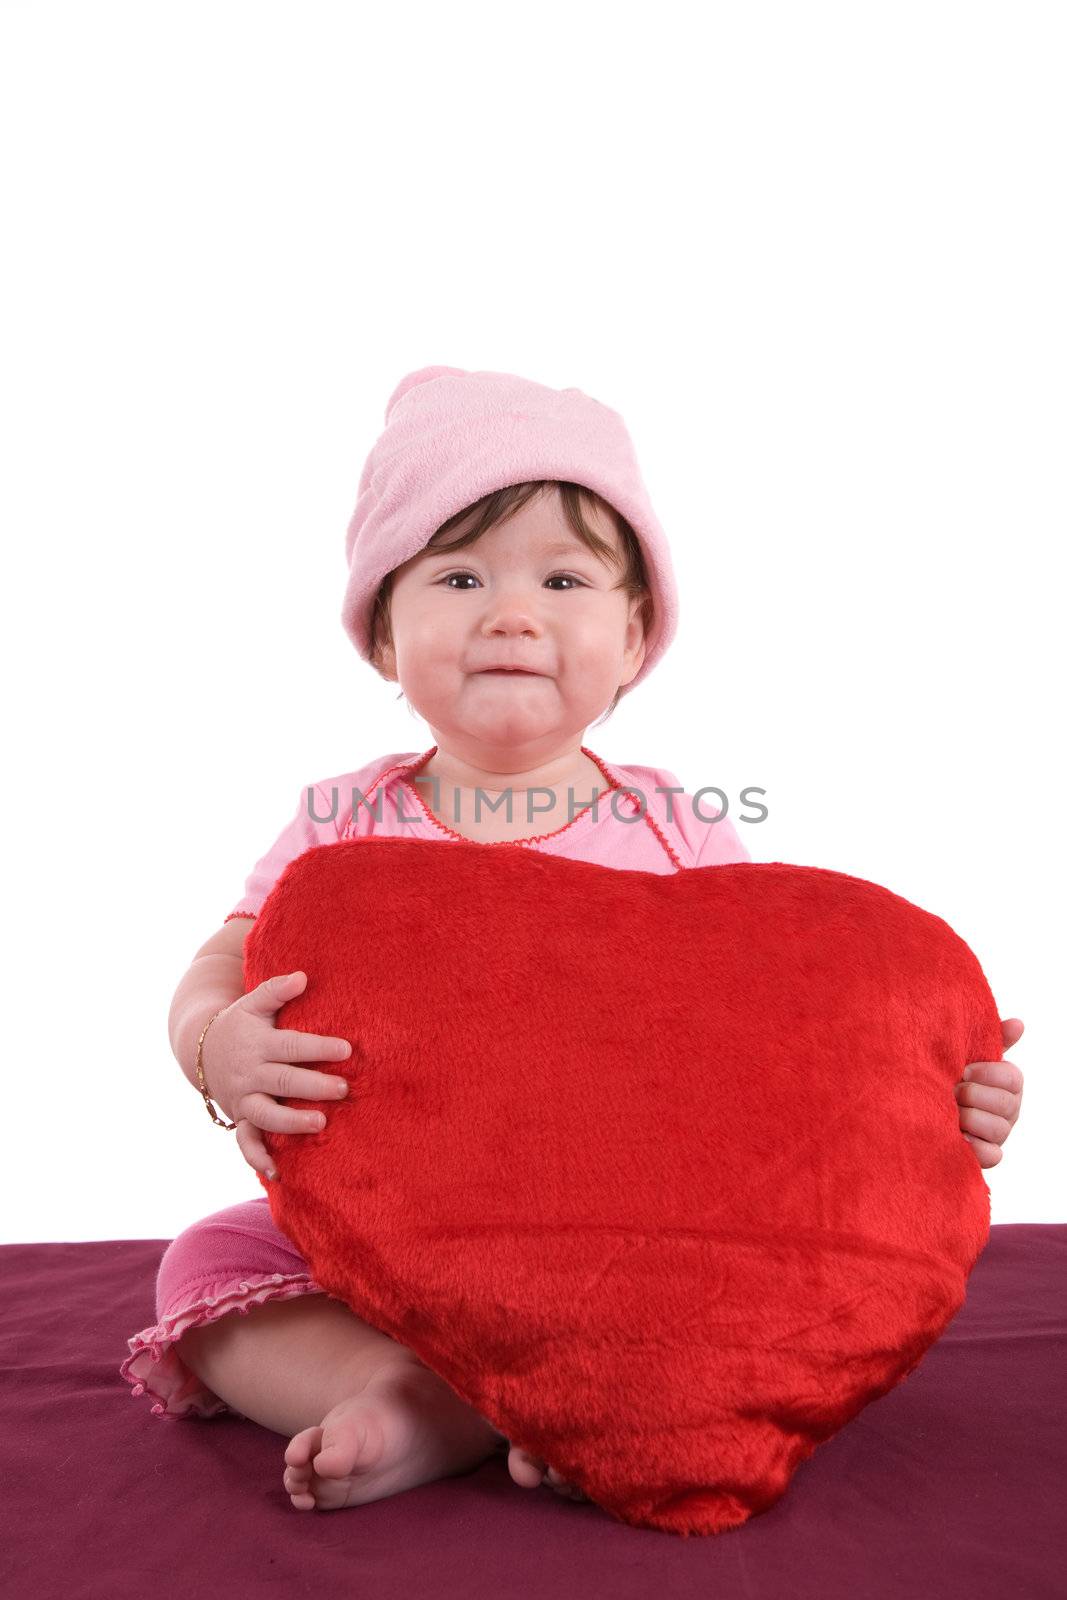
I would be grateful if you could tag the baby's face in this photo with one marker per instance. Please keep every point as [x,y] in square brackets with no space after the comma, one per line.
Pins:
[528,593]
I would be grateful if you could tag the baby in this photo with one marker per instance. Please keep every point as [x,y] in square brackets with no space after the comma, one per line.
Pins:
[512,618]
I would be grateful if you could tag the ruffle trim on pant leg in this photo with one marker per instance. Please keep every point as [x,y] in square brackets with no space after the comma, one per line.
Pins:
[155,1366]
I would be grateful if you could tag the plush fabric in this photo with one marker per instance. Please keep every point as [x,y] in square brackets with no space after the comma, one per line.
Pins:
[662,1174]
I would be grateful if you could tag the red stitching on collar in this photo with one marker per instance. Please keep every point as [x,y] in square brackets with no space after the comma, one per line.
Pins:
[407,767]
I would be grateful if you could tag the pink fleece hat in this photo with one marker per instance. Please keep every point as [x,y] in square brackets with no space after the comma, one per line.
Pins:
[453,436]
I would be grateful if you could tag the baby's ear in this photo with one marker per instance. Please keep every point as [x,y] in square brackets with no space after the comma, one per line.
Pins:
[636,643]
[384,662]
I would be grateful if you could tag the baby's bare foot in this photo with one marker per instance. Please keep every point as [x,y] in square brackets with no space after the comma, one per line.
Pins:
[405,1426]
[528,1471]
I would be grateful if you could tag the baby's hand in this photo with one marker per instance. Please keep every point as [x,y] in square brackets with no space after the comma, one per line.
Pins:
[990,1094]
[247,1061]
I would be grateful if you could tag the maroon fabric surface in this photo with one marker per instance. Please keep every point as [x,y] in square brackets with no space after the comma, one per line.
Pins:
[949,1487]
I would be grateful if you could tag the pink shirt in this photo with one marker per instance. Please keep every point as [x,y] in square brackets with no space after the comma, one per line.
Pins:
[637,826]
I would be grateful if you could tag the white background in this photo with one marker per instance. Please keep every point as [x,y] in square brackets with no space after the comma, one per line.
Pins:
[814,254]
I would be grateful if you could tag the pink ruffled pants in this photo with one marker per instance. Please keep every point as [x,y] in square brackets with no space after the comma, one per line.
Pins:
[229,1261]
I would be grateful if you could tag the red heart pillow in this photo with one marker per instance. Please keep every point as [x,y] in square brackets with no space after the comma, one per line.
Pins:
[662,1174]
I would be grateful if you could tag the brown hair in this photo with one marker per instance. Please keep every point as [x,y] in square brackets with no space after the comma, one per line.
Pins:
[500,504]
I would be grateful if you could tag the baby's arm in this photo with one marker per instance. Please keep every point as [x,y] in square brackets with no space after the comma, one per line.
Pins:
[246,1059]
[215,979]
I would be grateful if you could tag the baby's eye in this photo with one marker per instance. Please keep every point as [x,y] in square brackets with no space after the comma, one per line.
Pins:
[569,576]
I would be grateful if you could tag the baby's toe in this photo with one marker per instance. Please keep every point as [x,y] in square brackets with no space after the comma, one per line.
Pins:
[298,1469]
[302,1447]
[524,1468]
[298,1488]
[562,1487]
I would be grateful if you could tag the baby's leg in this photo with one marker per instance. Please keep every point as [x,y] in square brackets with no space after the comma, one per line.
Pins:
[368,1419]
[286,1363]
[241,1324]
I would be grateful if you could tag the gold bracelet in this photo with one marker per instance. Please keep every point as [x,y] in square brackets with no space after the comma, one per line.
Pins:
[200,1074]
